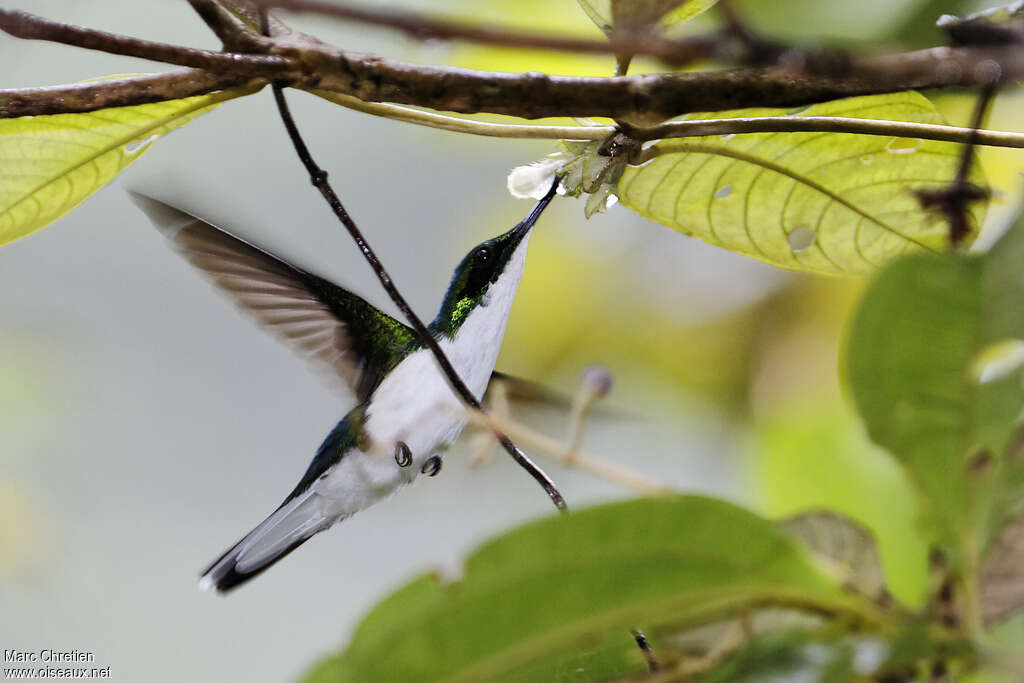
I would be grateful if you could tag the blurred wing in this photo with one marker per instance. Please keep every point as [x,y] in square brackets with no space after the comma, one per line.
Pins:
[332,328]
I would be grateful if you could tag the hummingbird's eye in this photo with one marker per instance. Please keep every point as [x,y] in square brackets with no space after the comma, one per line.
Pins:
[483,254]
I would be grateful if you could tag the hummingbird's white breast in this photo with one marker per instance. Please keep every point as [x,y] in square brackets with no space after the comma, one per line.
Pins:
[415,405]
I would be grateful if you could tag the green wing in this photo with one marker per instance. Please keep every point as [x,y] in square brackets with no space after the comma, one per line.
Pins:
[338,332]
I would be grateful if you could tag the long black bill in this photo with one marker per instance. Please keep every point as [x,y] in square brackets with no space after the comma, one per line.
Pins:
[524,227]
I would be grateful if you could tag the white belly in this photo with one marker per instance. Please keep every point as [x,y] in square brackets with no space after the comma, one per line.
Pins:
[415,405]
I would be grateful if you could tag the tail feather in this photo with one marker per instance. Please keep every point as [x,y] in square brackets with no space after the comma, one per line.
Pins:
[286,529]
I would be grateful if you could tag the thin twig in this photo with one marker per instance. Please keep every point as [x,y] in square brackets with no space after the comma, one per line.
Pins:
[675,52]
[121,92]
[829,124]
[954,201]
[319,179]
[958,227]
[457,124]
[595,383]
[237,24]
[578,459]
[497,405]
[681,129]
[29,26]
[648,652]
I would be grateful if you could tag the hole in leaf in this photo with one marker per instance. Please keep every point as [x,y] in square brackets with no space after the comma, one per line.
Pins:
[903,145]
[723,192]
[136,146]
[801,238]
[998,360]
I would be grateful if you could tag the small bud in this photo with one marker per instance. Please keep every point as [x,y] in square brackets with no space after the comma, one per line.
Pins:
[598,379]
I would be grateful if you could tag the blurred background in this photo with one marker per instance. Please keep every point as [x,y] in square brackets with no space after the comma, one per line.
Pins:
[145,425]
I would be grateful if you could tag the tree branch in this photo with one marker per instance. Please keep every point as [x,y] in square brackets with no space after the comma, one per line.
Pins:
[29,26]
[649,97]
[120,92]
[305,62]
[237,23]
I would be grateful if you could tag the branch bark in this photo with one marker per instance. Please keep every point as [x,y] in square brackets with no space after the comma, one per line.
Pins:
[120,92]
[651,97]
[31,27]
[303,61]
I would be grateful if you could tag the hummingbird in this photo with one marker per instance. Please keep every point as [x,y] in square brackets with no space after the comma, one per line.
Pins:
[406,414]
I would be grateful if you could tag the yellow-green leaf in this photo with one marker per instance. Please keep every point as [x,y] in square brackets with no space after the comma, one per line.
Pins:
[51,163]
[639,14]
[829,203]
[686,11]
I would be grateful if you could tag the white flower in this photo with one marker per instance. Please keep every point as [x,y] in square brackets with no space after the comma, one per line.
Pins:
[533,181]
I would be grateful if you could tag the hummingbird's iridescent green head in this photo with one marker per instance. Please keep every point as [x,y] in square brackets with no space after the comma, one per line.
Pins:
[478,274]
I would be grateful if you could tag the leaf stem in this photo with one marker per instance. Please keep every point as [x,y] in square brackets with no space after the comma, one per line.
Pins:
[830,124]
[682,129]
[457,124]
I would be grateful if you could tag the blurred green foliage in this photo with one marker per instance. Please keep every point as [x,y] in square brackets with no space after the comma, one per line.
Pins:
[812,454]
[554,600]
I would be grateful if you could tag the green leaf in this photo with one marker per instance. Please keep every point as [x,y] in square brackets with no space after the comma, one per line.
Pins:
[932,391]
[686,11]
[53,162]
[1002,578]
[556,599]
[829,203]
[842,541]
[641,14]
